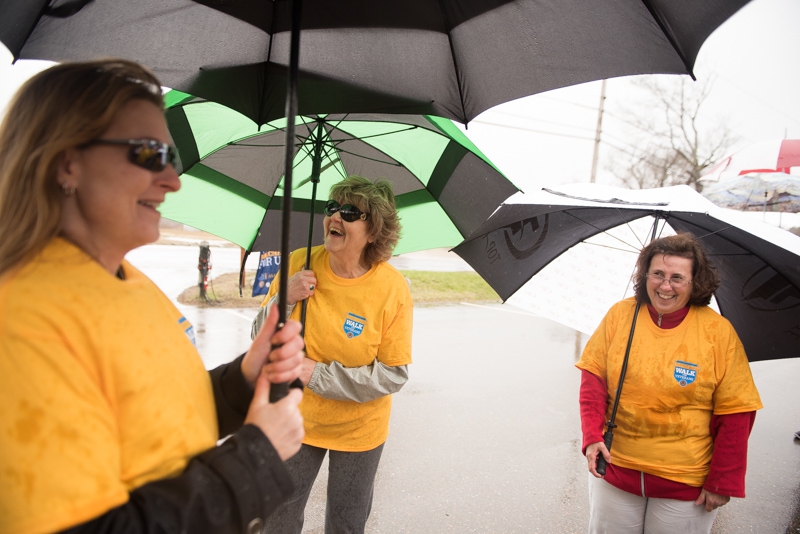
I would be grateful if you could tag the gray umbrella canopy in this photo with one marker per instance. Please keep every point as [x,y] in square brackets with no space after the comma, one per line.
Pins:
[233,173]
[452,59]
[759,265]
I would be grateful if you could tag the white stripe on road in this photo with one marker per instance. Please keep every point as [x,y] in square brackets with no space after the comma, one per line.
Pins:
[241,315]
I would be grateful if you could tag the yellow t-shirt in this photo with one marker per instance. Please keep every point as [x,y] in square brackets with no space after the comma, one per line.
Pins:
[675,380]
[102,390]
[352,321]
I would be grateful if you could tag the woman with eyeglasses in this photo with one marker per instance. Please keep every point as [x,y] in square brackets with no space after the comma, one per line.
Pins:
[358,344]
[109,421]
[687,402]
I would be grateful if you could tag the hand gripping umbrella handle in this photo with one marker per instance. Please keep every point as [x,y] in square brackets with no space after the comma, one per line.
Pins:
[608,437]
[278,391]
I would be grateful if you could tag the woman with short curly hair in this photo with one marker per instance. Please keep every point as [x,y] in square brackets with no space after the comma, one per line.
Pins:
[358,345]
[687,402]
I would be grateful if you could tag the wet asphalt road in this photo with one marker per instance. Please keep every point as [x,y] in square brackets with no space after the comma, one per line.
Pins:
[485,437]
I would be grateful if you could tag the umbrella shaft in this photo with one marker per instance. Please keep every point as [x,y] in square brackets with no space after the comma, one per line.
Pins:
[278,391]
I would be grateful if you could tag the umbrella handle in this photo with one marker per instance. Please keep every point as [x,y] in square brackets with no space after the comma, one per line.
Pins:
[278,391]
[608,437]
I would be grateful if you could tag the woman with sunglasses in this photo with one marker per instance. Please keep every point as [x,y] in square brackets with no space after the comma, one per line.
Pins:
[109,420]
[358,344]
[687,401]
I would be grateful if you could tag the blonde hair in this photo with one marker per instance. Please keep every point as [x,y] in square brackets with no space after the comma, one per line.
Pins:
[63,107]
[377,200]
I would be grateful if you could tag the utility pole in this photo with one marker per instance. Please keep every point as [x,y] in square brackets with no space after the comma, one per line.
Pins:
[592,178]
[597,133]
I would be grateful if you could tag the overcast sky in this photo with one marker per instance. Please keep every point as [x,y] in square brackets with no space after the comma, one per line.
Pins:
[548,139]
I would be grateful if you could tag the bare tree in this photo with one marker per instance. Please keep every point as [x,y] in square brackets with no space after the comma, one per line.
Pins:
[672,142]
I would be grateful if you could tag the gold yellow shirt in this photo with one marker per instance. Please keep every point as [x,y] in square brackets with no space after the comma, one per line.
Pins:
[355,322]
[102,390]
[676,379]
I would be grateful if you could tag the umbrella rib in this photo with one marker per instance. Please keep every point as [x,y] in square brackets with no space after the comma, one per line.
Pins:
[627,250]
[362,137]
[663,225]
[334,144]
[669,34]
[746,251]
[338,122]
[600,230]
[650,230]
[448,28]
[264,75]
[329,152]
[393,163]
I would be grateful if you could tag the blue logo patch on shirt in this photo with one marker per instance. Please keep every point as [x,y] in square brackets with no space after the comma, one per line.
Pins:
[188,329]
[353,325]
[685,373]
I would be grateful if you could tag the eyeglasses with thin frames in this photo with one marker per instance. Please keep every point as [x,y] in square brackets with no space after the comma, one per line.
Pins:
[675,281]
[348,212]
[145,153]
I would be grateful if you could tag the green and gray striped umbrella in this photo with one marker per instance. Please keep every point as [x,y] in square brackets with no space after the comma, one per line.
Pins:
[232,180]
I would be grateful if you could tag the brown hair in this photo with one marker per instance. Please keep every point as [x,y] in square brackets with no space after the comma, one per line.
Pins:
[377,200]
[705,279]
[62,107]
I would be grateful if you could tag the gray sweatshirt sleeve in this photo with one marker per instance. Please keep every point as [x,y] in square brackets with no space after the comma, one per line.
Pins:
[334,381]
[258,322]
[358,384]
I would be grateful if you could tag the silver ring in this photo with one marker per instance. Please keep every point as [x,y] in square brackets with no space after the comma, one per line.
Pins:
[311,287]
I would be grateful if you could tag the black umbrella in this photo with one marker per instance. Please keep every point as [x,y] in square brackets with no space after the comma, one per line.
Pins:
[759,265]
[452,59]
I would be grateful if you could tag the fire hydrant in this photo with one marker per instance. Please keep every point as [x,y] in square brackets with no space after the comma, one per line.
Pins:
[204,266]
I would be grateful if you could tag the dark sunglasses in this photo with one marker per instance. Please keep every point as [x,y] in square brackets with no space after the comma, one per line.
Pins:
[348,212]
[145,153]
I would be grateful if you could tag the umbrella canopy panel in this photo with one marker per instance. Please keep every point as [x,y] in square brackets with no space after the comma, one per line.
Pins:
[760,294]
[774,191]
[233,170]
[760,291]
[453,59]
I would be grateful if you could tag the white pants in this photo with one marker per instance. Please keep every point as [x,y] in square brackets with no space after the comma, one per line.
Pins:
[613,511]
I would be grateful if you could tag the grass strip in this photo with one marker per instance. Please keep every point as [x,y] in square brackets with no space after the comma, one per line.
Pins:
[428,288]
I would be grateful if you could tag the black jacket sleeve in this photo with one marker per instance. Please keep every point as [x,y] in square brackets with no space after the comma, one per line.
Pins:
[230,488]
[232,395]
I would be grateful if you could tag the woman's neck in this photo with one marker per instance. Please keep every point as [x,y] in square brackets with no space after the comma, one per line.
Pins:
[347,267]
[668,320]
[107,257]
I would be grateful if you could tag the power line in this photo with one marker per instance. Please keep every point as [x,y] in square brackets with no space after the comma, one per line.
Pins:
[781,112]
[525,117]
[532,130]
[605,134]
[554,99]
